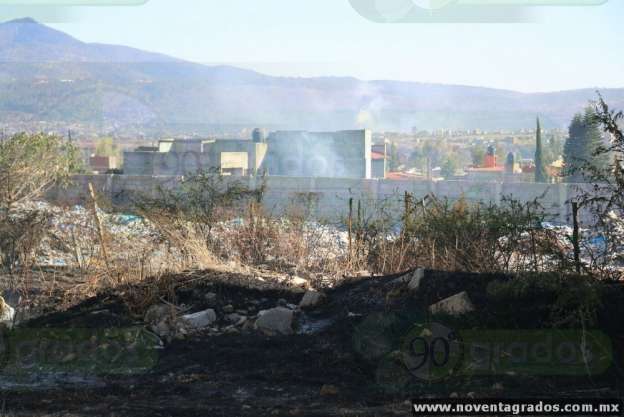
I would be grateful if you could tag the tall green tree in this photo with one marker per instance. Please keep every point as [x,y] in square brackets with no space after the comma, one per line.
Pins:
[579,151]
[449,165]
[540,166]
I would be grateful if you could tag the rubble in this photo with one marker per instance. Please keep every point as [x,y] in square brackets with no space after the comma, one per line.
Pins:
[278,320]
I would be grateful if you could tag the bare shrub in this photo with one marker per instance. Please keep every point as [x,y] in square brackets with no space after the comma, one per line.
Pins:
[459,236]
[187,216]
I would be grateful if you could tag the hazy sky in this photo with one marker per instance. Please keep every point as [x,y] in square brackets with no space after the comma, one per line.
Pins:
[570,47]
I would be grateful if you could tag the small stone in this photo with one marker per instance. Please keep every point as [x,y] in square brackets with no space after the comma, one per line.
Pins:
[210,297]
[498,386]
[69,358]
[228,309]
[455,305]
[282,303]
[311,298]
[278,320]
[231,330]
[236,319]
[329,390]
[200,319]
[233,318]
[454,395]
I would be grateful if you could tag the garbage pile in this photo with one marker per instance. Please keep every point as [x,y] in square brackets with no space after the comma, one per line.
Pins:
[71,238]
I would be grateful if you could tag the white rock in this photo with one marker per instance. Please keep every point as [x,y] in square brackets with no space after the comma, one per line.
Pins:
[311,298]
[7,314]
[417,276]
[299,282]
[276,320]
[455,305]
[200,319]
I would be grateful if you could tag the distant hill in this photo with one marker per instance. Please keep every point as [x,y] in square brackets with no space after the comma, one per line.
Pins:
[48,75]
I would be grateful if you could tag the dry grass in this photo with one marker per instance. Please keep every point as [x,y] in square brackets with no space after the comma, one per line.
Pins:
[175,238]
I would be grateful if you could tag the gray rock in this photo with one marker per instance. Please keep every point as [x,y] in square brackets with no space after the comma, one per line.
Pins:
[157,313]
[210,297]
[236,319]
[417,276]
[278,320]
[311,298]
[228,309]
[412,280]
[454,305]
[162,329]
[200,319]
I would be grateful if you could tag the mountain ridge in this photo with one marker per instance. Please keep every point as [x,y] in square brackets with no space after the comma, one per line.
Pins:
[49,75]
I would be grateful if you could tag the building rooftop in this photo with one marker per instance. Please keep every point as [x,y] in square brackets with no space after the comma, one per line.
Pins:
[377,155]
[403,176]
[498,168]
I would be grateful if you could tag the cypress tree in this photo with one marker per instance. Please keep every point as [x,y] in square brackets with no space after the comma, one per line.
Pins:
[540,168]
[584,136]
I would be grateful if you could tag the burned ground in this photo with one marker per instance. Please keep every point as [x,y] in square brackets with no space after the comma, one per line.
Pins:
[320,370]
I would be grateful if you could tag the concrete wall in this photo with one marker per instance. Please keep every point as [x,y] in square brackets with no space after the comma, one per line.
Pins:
[327,198]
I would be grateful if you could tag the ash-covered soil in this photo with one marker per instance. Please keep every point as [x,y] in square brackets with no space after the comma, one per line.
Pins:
[333,364]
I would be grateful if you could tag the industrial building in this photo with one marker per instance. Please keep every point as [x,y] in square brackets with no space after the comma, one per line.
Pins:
[180,157]
[342,154]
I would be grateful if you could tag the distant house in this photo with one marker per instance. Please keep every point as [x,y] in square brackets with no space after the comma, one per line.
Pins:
[102,164]
[490,171]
